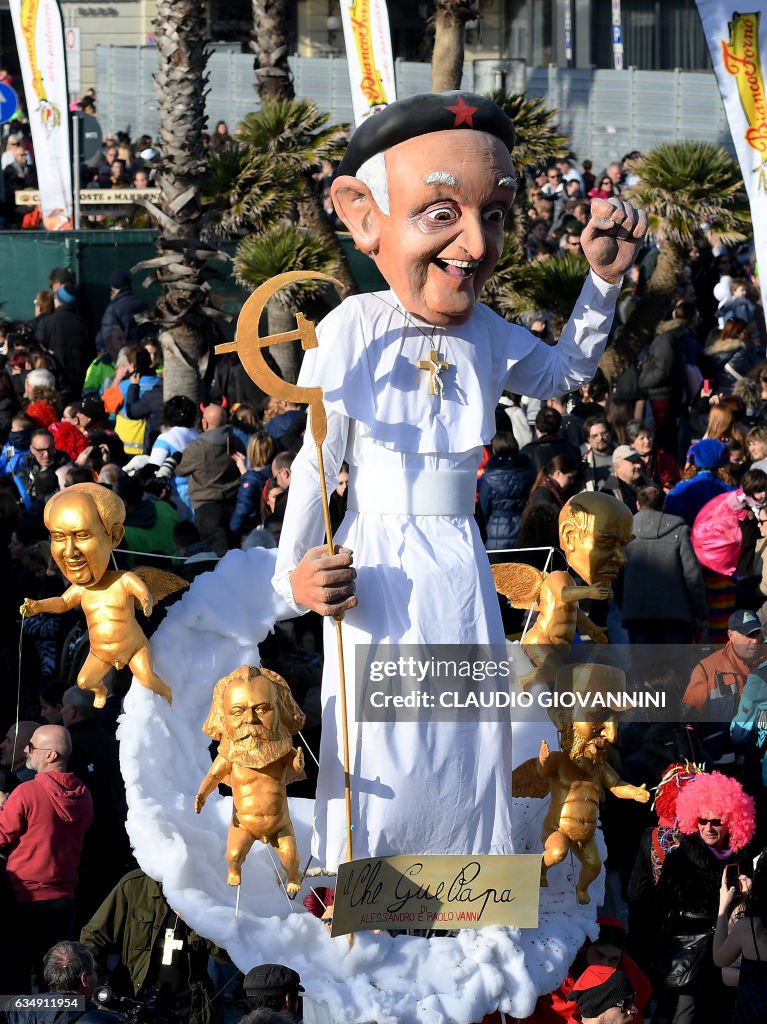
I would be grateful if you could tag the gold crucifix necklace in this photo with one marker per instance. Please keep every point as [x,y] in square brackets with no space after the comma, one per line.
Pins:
[435,364]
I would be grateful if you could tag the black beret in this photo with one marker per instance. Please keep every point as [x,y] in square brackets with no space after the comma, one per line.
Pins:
[419,115]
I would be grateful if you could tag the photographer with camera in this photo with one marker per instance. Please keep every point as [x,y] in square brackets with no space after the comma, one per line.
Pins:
[68,969]
[165,961]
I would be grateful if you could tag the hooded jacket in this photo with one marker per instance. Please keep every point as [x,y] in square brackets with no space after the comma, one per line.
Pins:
[662,376]
[42,827]
[503,493]
[662,578]
[722,353]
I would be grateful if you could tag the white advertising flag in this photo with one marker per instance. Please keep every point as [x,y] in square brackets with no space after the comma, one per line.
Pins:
[369,55]
[40,42]
[736,41]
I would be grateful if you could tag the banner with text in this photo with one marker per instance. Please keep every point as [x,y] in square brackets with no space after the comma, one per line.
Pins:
[369,55]
[736,41]
[444,893]
[40,43]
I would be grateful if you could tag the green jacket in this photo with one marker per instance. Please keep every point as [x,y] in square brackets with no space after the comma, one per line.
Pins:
[131,922]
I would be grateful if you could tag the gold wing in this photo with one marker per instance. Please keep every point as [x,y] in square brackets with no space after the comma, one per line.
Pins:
[518,582]
[527,781]
[161,584]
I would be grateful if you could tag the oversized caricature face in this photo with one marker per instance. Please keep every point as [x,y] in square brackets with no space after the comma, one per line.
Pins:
[449,193]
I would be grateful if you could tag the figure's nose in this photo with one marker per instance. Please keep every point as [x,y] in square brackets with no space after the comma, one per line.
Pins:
[69,546]
[473,237]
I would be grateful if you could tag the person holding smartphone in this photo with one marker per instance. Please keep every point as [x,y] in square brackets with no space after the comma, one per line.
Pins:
[746,939]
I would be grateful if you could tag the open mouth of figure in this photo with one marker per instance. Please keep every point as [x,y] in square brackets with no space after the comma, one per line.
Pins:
[460,269]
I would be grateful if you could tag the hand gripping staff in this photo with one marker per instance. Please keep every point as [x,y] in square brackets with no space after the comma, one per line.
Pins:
[249,345]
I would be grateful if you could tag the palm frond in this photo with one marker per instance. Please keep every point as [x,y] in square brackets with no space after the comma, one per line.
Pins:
[685,184]
[279,249]
[538,135]
[552,284]
[294,130]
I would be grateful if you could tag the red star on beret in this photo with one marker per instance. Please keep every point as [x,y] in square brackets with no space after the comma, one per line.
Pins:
[463,113]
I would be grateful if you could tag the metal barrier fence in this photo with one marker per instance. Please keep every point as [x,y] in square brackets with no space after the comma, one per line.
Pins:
[605,113]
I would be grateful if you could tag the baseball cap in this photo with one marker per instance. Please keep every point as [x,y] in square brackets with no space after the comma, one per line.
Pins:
[600,988]
[625,453]
[272,978]
[745,622]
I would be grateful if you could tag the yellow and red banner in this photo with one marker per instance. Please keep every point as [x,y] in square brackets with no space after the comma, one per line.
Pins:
[40,42]
[369,55]
[737,41]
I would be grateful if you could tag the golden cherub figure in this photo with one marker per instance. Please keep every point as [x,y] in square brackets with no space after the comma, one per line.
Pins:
[253,716]
[594,528]
[574,777]
[86,522]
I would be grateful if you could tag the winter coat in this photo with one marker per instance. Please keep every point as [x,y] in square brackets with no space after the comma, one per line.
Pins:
[67,335]
[131,921]
[724,352]
[662,578]
[543,449]
[247,509]
[749,726]
[503,493]
[716,533]
[42,826]
[149,527]
[688,497]
[213,474]
[118,324]
[622,491]
[146,407]
[662,375]
[687,893]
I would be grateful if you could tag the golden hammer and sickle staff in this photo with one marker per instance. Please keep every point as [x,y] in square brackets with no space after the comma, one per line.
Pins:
[249,345]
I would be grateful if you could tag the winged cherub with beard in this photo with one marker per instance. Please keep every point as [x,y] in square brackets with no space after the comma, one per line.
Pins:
[254,717]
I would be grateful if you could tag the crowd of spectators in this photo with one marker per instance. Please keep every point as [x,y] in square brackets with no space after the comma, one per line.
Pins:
[680,439]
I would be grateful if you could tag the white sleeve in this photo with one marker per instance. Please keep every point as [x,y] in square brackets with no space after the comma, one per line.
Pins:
[542,371]
[304,524]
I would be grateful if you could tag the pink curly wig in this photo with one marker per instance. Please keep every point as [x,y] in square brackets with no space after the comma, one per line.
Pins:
[718,795]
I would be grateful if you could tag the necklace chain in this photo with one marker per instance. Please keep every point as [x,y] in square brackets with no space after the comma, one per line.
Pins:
[434,364]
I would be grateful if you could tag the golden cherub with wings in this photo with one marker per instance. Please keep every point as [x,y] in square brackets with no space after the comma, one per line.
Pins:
[86,523]
[576,776]
[594,529]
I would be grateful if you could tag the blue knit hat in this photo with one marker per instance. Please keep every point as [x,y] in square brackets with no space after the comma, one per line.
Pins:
[708,454]
[65,296]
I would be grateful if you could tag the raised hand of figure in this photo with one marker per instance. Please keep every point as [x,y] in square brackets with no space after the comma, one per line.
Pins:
[613,237]
[29,607]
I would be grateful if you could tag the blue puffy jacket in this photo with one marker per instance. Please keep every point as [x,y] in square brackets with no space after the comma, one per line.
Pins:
[503,494]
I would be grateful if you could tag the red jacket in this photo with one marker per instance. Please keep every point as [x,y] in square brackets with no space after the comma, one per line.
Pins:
[42,826]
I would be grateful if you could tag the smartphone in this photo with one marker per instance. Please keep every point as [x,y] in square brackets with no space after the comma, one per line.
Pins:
[732,877]
[706,389]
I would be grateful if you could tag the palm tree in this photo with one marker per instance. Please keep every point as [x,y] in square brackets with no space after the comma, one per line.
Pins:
[538,140]
[267,191]
[277,249]
[681,186]
[552,284]
[184,311]
[450,17]
[269,42]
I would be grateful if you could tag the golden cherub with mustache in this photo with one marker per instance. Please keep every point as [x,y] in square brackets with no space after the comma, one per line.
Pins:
[253,716]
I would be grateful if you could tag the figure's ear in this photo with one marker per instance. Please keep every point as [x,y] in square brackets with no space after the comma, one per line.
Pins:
[354,204]
[567,533]
[116,534]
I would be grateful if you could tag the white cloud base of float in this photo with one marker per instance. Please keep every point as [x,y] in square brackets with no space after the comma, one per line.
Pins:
[216,627]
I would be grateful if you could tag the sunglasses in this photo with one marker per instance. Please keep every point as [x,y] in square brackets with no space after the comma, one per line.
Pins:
[31,746]
[716,822]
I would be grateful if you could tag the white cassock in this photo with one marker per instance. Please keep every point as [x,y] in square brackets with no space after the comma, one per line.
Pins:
[422,575]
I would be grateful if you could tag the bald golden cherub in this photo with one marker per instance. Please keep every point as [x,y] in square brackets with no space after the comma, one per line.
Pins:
[86,522]
[253,716]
